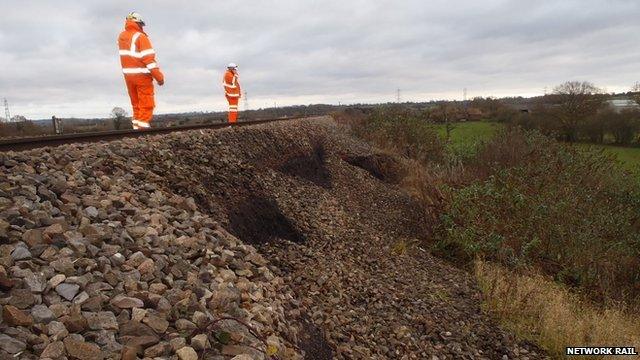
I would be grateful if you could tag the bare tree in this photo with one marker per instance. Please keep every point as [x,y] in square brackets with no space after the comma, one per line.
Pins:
[635,92]
[576,102]
[119,115]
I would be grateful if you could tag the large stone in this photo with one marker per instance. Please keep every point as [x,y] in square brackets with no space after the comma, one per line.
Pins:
[157,350]
[187,353]
[147,267]
[57,330]
[91,211]
[16,317]
[107,340]
[20,253]
[55,229]
[185,325]
[36,282]
[200,342]
[6,283]
[133,328]
[242,357]
[177,343]
[21,298]
[67,291]
[4,227]
[63,265]
[200,319]
[42,314]
[103,320]
[11,344]
[54,350]
[33,237]
[124,302]
[158,324]
[82,350]
[56,280]
[129,352]
[75,323]
[137,314]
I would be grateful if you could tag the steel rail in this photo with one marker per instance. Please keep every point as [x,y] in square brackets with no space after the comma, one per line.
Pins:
[27,143]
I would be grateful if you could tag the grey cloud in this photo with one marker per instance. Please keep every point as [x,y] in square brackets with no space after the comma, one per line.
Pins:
[60,57]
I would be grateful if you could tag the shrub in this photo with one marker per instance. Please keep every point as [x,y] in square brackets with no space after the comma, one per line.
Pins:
[624,126]
[567,211]
[402,131]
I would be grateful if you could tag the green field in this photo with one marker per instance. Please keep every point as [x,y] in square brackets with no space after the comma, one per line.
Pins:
[629,157]
[466,136]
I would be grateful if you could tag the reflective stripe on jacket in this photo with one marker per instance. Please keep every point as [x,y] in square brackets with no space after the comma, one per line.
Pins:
[136,53]
[231,84]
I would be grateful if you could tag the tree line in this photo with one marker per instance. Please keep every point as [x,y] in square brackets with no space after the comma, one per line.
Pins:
[576,111]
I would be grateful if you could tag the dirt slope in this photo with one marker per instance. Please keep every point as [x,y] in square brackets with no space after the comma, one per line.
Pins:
[123,250]
[334,229]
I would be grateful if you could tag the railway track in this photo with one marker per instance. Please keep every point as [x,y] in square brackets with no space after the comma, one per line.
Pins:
[27,143]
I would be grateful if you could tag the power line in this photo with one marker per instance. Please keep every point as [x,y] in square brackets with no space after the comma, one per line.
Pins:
[246,101]
[7,114]
[398,95]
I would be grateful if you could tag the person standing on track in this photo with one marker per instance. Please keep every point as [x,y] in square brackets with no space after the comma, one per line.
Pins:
[232,91]
[139,67]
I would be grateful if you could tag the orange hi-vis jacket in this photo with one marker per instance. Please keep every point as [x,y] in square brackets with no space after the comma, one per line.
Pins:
[231,84]
[137,56]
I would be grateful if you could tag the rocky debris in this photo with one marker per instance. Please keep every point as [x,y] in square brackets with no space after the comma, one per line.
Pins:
[53,351]
[98,262]
[42,314]
[121,250]
[16,317]
[67,291]
[11,345]
[124,302]
[323,207]
[82,350]
[187,353]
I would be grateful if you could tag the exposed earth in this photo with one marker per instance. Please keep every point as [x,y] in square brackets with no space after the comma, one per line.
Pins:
[285,240]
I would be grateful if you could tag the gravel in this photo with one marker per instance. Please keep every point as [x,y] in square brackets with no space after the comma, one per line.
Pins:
[240,242]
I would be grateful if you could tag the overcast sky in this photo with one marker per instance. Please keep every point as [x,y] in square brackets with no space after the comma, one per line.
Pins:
[60,57]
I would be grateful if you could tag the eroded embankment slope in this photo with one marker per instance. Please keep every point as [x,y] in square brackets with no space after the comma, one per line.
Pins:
[312,199]
[104,254]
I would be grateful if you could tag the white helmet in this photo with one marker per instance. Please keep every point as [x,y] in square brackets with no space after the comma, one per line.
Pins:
[134,16]
[232,66]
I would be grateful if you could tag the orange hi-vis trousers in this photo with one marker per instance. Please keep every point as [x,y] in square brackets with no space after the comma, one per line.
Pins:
[233,109]
[141,93]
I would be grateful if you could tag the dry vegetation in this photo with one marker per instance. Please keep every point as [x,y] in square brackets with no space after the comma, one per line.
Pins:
[544,312]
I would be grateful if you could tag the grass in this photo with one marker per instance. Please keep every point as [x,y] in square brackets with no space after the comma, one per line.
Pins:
[628,157]
[549,315]
[467,135]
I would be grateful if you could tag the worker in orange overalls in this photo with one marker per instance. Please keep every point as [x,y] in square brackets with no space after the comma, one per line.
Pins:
[232,91]
[139,66]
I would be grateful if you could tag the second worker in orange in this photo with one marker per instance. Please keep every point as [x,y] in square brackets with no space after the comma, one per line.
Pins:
[232,91]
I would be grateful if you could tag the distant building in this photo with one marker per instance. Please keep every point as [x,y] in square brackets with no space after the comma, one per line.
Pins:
[619,105]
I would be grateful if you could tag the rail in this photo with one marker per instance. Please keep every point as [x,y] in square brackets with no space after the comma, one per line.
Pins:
[27,143]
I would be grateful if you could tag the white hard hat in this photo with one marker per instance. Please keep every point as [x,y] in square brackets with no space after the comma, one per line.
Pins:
[232,66]
[134,16]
